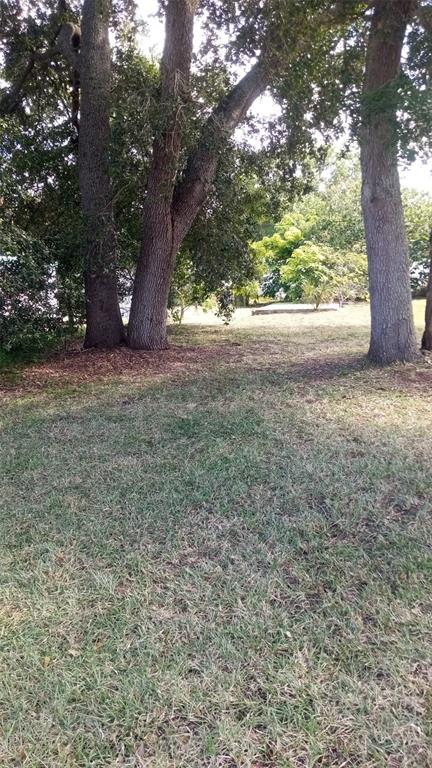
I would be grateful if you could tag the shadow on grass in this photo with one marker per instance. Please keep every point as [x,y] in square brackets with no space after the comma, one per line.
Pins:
[194,351]
[209,571]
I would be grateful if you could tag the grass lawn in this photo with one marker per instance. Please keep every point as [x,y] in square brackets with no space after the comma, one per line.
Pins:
[220,561]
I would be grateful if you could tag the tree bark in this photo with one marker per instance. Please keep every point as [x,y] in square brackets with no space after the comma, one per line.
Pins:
[427,334]
[392,325]
[104,326]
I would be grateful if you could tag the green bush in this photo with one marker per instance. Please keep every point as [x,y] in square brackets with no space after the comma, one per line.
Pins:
[29,314]
[317,273]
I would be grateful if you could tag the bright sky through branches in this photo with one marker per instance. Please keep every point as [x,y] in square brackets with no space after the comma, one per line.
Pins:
[417,175]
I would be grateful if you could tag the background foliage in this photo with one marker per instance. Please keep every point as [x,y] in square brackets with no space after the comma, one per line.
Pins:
[325,229]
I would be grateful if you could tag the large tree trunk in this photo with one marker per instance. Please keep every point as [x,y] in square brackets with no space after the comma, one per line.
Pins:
[427,335]
[148,317]
[172,205]
[104,326]
[392,326]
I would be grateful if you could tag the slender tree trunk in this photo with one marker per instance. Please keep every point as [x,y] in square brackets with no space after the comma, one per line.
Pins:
[104,326]
[427,335]
[392,326]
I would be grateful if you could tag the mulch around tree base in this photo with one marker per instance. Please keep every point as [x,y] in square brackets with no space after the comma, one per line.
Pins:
[74,365]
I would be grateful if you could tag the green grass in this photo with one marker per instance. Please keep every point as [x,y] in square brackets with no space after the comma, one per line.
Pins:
[229,566]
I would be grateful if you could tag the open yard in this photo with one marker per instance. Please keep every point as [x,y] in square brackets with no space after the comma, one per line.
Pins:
[218,556]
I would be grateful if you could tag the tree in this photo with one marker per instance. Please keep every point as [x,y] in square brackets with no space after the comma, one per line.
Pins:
[317,273]
[176,191]
[295,50]
[326,224]
[160,242]
[104,325]
[86,50]
[349,275]
[392,325]
[331,214]
[39,183]
[307,275]
[170,209]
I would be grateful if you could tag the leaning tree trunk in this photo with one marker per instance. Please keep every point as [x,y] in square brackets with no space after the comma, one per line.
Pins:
[104,326]
[392,325]
[171,205]
[427,335]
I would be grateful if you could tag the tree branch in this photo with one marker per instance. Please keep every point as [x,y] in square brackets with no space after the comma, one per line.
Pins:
[200,170]
[10,100]
[67,46]
[344,10]
[192,189]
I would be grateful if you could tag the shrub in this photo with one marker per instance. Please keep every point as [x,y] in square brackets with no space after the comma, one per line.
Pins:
[307,274]
[29,312]
[316,294]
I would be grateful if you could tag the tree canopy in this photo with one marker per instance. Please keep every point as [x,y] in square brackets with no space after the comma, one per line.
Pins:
[178,177]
